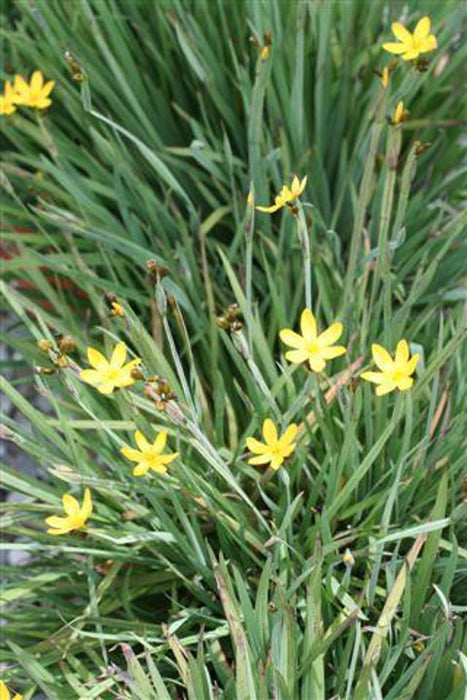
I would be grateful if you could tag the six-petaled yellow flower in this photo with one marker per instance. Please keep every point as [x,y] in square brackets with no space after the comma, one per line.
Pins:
[5,693]
[7,103]
[311,346]
[75,515]
[274,450]
[108,375]
[410,46]
[286,196]
[395,373]
[400,114]
[149,456]
[34,94]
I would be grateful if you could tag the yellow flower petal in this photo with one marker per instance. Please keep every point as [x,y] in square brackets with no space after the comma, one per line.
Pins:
[269,432]
[260,459]
[20,85]
[256,446]
[382,358]
[375,377]
[385,388]
[428,44]
[404,383]
[331,334]
[57,522]
[90,376]
[394,47]
[308,325]
[410,55]
[295,189]
[288,435]
[48,87]
[96,359]
[297,356]
[317,363]
[271,209]
[159,442]
[118,356]
[132,454]
[86,508]
[70,504]
[333,351]
[423,28]
[37,80]
[141,441]
[276,462]
[106,388]
[402,354]
[412,364]
[288,450]
[141,469]
[401,33]
[168,458]
[158,467]
[290,338]
[56,531]
[125,380]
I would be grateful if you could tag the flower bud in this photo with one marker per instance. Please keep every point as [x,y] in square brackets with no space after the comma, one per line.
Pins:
[44,344]
[348,559]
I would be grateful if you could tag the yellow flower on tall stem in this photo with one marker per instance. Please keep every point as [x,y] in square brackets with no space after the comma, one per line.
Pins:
[395,373]
[34,94]
[275,449]
[149,456]
[311,346]
[108,375]
[7,106]
[409,45]
[75,515]
[286,196]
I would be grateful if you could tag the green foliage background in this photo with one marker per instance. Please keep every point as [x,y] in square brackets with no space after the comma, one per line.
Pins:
[218,581]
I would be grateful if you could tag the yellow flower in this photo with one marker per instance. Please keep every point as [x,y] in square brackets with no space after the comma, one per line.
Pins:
[149,456]
[287,195]
[274,449]
[395,374]
[75,515]
[410,46]
[7,103]
[310,346]
[108,375]
[34,94]
[400,114]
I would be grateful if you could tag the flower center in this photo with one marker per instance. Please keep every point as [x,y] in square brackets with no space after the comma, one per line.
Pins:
[312,347]
[111,375]
[397,375]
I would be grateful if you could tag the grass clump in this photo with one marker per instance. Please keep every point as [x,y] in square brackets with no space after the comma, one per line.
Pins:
[130,217]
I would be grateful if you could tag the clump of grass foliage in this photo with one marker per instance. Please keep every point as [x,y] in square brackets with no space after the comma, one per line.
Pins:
[220,580]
